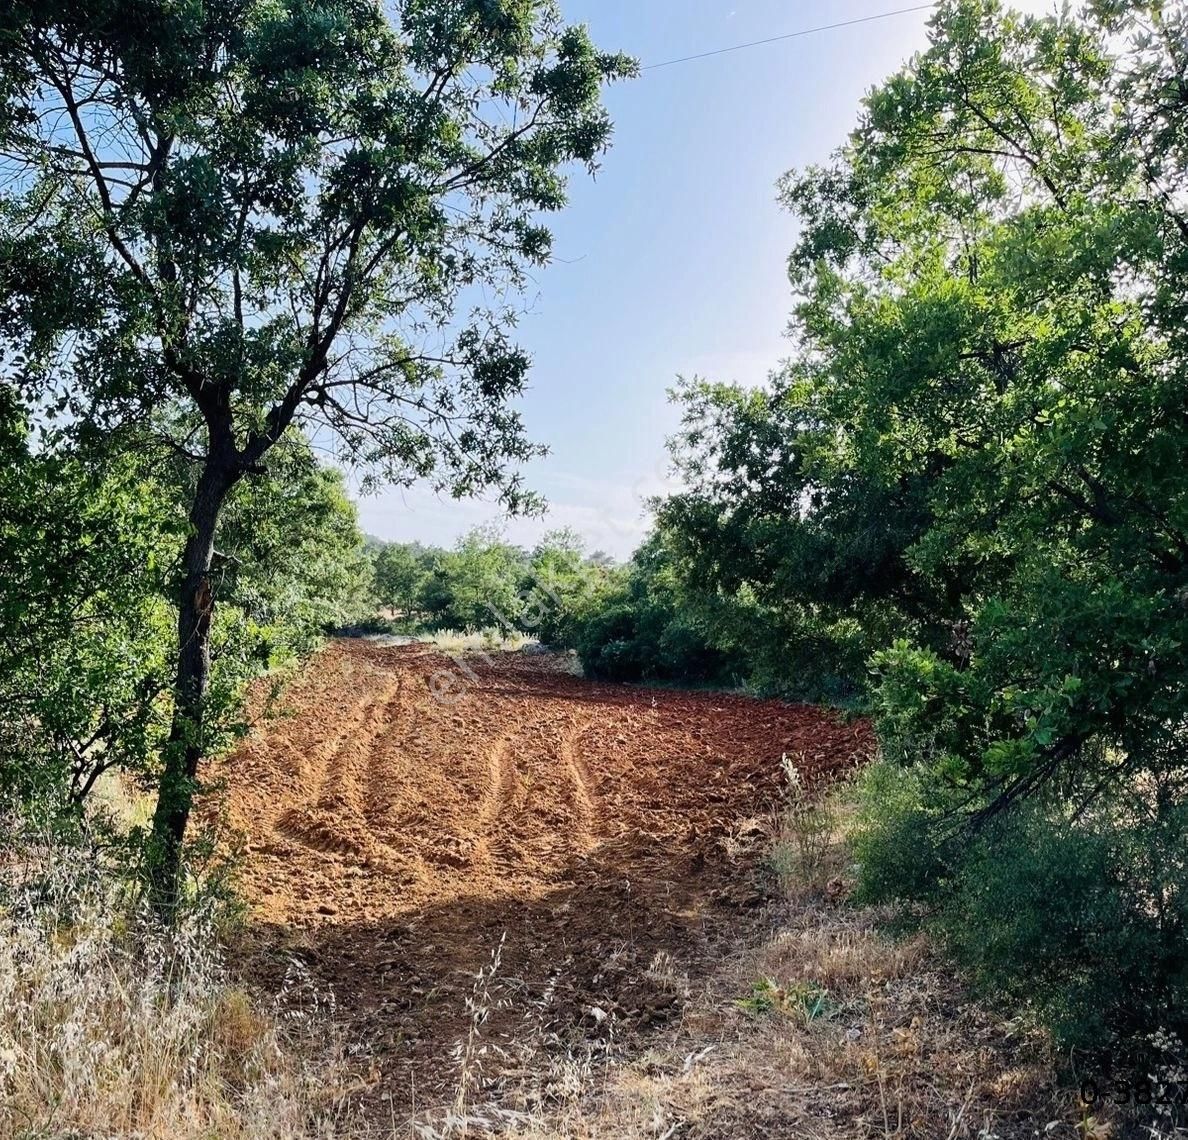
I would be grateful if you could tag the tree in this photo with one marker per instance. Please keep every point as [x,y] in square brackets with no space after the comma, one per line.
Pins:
[992,279]
[800,574]
[401,569]
[478,585]
[89,540]
[985,415]
[291,561]
[560,586]
[983,429]
[277,214]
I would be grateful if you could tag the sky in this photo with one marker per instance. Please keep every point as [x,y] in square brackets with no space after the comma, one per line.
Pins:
[672,260]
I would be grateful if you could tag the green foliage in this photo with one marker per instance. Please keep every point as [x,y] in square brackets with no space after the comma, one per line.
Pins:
[85,629]
[966,490]
[291,563]
[805,1002]
[87,640]
[487,584]
[476,586]
[1078,918]
[562,587]
[899,834]
[750,578]
[1019,347]
[266,216]
[800,585]
[401,570]
[642,627]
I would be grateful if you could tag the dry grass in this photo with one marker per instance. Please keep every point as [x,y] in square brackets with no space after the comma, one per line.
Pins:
[807,856]
[892,1051]
[822,1028]
[493,640]
[828,1029]
[110,1028]
[117,798]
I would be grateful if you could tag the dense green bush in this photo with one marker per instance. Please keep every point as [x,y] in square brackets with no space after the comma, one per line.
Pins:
[607,640]
[645,627]
[1079,918]
[665,617]
[85,631]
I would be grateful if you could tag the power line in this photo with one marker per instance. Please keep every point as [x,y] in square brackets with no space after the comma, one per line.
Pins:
[792,35]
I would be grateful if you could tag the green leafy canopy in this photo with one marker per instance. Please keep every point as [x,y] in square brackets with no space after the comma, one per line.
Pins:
[290,212]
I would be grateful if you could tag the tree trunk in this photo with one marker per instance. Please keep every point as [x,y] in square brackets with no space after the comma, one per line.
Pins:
[186,746]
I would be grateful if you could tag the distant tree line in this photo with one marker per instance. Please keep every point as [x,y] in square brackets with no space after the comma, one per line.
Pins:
[487,584]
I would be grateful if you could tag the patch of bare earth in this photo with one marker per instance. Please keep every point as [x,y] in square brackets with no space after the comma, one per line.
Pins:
[545,906]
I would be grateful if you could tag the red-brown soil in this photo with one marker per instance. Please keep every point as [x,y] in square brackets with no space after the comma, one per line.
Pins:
[392,838]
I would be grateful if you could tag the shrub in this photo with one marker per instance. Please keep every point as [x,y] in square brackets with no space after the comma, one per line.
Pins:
[1078,917]
[894,836]
[646,627]
[637,640]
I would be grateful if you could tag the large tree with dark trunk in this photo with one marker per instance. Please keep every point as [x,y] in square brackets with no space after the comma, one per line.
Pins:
[279,212]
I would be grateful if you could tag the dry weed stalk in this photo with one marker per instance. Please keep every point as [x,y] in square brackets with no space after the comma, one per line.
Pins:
[471,1051]
[110,1026]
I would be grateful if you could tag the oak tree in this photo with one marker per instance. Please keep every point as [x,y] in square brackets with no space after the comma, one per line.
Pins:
[283,212]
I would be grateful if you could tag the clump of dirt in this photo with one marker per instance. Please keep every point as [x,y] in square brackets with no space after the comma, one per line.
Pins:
[407,814]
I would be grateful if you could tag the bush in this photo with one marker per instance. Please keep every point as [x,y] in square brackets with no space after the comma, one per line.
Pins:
[1078,918]
[401,569]
[646,627]
[894,837]
[607,645]
[636,640]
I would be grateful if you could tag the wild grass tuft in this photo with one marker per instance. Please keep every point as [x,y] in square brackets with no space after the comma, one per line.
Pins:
[112,1026]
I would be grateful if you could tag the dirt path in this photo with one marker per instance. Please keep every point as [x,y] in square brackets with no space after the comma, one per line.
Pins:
[393,838]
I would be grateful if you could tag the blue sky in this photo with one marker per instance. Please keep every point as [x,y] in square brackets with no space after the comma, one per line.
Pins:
[672,260]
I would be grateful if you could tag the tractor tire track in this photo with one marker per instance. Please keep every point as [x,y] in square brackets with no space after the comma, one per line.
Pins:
[393,839]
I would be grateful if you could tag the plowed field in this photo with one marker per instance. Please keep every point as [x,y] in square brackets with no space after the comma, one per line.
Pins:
[405,813]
